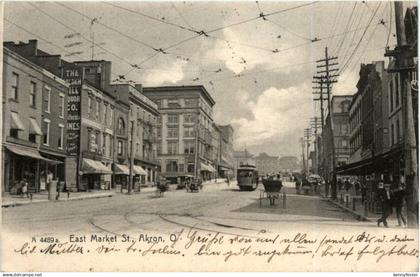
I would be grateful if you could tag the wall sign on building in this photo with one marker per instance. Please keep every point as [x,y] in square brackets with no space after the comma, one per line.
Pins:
[74,76]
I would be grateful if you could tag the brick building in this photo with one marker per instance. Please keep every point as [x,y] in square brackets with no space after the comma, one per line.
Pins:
[183,111]
[34,131]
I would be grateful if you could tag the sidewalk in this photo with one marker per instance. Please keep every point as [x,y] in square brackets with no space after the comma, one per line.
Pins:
[16,200]
[357,208]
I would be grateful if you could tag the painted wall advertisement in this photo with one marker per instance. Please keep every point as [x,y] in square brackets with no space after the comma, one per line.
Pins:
[74,76]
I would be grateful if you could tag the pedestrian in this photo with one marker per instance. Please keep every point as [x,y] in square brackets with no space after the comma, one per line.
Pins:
[228,181]
[24,188]
[363,191]
[399,196]
[386,197]
[347,185]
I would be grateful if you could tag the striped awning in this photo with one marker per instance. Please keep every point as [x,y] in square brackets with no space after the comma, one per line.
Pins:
[121,169]
[16,122]
[138,170]
[94,167]
[30,153]
[34,127]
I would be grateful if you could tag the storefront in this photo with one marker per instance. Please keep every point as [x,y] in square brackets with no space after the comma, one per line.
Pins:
[206,171]
[93,175]
[23,163]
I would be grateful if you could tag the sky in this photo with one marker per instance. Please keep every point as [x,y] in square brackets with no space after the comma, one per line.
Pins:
[257,68]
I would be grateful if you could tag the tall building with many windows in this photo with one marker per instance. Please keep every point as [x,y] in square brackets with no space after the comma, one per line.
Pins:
[184,130]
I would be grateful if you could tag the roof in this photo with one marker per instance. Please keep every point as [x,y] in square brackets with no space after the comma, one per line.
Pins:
[181,88]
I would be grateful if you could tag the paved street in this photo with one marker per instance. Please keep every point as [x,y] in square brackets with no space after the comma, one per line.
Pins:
[217,208]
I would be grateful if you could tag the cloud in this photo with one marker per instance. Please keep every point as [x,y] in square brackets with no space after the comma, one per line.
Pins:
[241,51]
[278,114]
[171,73]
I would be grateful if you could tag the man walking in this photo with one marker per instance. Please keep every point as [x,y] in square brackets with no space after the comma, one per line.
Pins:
[399,196]
[386,198]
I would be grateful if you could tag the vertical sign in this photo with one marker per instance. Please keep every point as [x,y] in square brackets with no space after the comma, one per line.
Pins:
[74,76]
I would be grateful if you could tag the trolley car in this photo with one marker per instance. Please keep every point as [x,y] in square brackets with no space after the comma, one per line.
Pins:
[247,177]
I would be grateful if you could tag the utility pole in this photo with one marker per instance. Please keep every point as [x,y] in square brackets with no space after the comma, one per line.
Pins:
[130,182]
[316,124]
[307,133]
[328,77]
[302,142]
[404,55]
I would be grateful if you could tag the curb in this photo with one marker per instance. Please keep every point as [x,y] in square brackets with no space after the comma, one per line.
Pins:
[355,214]
[15,204]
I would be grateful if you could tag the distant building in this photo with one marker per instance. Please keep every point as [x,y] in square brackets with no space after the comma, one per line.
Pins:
[289,163]
[184,126]
[340,119]
[267,164]
[226,151]
[242,158]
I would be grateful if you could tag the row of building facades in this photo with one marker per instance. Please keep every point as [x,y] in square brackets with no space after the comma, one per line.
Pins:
[67,121]
[266,164]
[368,126]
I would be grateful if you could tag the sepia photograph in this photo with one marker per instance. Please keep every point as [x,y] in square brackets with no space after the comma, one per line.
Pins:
[209,136]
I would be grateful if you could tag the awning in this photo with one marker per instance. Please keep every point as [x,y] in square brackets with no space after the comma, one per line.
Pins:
[31,153]
[94,167]
[34,127]
[205,167]
[121,169]
[16,122]
[138,170]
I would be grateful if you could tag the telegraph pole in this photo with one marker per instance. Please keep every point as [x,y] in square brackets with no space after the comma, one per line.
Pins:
[307,134]
[303,154]
[328,77]
[404,55]
[316,124]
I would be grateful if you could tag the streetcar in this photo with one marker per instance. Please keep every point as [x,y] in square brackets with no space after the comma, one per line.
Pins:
[247,177]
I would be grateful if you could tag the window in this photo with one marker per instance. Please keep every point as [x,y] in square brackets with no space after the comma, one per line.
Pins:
[181,168]
[173,103]
[120,147]
[15,86]
[391,95]
[397,91]
[111,146]
[46,132]
[14,133]
[189,147]
[158,103]
[89,105]
[344,143]
[398,131]
[190,168]
[172,132]
[60,143]
[172,119]
[106,113]
[32,138]
[137,148]
[111,115]
[173,148]
[189,132]
[61,106]
[392,134]
[121,125]
[104,143]
[32,95]
[171,166]
[189,118]
[159,148]
[190,102]
[47,99]
[98,106]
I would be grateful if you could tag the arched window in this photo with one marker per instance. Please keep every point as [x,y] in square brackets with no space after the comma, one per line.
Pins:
[121,125]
